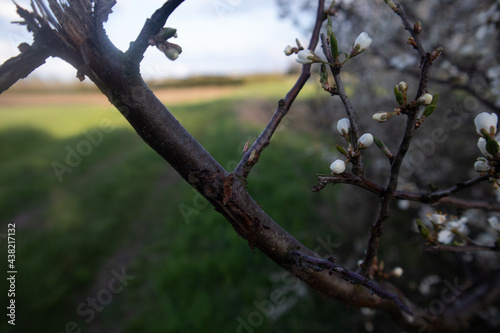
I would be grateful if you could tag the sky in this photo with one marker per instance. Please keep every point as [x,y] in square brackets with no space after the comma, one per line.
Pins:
[228,37]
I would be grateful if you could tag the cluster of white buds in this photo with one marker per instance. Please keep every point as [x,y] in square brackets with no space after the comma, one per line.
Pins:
[160,40]
[488,144]
[445,230]
[364,141]
[401,95]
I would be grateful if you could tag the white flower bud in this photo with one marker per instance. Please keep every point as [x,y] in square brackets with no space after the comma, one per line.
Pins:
[338,166]
[486,121]
[425,99]
[306,57]
[397,271]
[402,86]
[382,116]
[288,50]
[481,165]
[365,141]
[361,43]
[344,126]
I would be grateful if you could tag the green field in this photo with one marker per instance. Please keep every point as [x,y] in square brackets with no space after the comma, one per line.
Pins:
[113,240]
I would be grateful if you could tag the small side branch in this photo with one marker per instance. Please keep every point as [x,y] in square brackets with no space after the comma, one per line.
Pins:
[251,157]
[461,248]
[22,65]
[137,48]
[436,197]
[415,34]
[318,264]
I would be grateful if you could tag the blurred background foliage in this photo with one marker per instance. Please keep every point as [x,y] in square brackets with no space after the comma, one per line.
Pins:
[123,207]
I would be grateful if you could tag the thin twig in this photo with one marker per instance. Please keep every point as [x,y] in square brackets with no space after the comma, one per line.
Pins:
[251,157]
[351,113]
[318,264]
[411,112]
[407,25]
[152,26]
[436,197]
[459,248]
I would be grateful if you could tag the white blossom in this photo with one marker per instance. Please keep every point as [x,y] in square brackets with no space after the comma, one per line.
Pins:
[425,99]
[494,223]
[305,57]
[437,218]
[288,50]
[486,121]
[338,166]
[445,236]
[362,42]
[397,271]
[365,140]
[481,165]
[459,226]
[344,126]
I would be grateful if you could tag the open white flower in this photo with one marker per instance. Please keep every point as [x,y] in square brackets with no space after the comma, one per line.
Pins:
[361,43]
[459,225]
[344,126]
[437,218]
[445,236]
[306,57]
[487,122]
[365,141]
[338,166]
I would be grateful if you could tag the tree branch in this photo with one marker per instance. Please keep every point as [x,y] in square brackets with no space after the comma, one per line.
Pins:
[460,248]
[251,157]
[135,52]
[22,65]
[411,112]
[318,264]
[436,197]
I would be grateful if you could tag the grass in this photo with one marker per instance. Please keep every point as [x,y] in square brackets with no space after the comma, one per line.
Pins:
[121,206]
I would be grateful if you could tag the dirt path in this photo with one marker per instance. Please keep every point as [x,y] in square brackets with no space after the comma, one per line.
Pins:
[168,96]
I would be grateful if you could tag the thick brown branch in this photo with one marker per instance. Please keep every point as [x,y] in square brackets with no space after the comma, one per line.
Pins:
[152,26]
